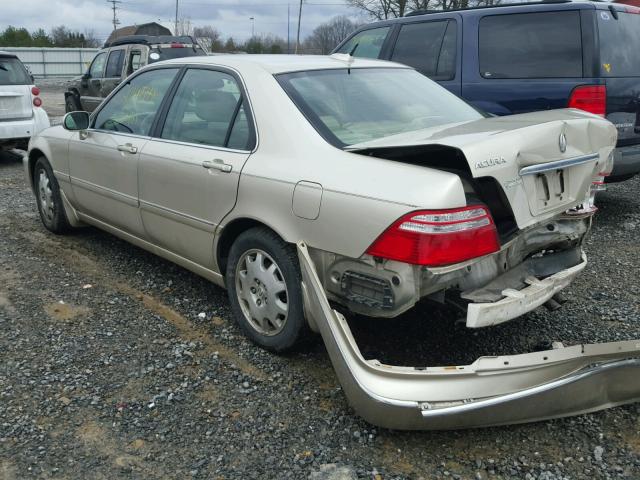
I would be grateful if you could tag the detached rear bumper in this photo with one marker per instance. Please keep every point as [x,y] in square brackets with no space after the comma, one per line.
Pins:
[491,391]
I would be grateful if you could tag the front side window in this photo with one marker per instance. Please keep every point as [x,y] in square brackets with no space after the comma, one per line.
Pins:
[97,66]
[206,110]
[13,72]
[114,64]
[133,108]
[531,45]
[363,104]
[429,47]
[369,43]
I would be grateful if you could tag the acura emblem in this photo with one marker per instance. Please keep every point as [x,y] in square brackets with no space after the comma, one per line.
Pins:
[563,142]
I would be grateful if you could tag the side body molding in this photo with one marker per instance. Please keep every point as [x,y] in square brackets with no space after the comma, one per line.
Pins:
[491,391]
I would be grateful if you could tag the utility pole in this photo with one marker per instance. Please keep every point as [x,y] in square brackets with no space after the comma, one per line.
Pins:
[175,31]
[288,28]
[114,7]
[299,19]
[253,25]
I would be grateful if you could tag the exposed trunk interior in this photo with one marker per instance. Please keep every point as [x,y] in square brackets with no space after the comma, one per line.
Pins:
[483,189]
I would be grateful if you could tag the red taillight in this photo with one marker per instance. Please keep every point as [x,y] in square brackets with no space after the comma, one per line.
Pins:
[590,98]
[35,91]
[438,237]
[37,102]
[177,45]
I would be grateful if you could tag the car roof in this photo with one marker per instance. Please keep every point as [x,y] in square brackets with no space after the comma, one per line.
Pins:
[534,6]
[7,54]
[284,63]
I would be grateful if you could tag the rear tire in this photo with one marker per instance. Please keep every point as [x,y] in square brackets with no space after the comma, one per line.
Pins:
[48,198]
[264,285]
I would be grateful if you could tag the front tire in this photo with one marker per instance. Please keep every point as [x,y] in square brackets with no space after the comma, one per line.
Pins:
[48,198]
[71,104]
[264,285]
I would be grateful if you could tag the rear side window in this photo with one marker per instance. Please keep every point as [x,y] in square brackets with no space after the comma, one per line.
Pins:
[207,109]
[531,45]
[619,44]
[114,64]
[369,43]
[429,47]
[12,72]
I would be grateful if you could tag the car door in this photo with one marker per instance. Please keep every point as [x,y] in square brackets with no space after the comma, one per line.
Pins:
[103,160]
[113,71]
[91,83]
[189,171]
[431,47]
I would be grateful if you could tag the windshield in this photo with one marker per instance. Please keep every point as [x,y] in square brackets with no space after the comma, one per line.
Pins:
[371,103]
[12,72]
[619,40]
[158,54]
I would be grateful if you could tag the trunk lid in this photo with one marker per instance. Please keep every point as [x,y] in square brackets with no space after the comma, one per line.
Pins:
[619,37]
[15,102]
[544,161]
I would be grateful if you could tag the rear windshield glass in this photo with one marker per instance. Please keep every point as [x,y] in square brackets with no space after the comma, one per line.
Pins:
[371,103]
[619,44]
[167,53]
[12,72]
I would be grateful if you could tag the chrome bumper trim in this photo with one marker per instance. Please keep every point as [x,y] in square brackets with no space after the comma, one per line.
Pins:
[558,164]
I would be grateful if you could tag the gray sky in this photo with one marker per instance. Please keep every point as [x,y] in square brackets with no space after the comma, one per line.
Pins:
[230,17]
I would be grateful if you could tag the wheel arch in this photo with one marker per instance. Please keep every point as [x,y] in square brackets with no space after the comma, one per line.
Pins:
[34,155]
[230,232]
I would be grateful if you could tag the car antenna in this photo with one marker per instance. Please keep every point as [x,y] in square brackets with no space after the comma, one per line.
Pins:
[351,53]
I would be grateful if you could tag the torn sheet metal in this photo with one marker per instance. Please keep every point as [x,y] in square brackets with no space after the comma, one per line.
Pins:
[491,391]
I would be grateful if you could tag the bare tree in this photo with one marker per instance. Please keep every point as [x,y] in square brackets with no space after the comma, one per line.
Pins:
[209,37]
[326,36]
[90,39]
[185,27]
[383,9]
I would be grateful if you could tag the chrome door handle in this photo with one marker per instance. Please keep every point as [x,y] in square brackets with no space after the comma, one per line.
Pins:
[127,147]
[217,164]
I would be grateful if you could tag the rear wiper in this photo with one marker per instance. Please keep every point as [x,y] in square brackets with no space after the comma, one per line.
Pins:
[2,67]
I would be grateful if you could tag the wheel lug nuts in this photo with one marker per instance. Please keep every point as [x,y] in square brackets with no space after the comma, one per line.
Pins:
[259,302]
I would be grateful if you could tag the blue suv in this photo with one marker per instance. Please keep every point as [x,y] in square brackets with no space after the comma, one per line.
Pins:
[526,57]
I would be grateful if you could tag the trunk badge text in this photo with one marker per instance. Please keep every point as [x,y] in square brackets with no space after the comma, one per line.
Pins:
[563,143]
[491,162]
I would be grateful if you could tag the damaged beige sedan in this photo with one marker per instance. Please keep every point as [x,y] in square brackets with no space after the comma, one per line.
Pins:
[299,181]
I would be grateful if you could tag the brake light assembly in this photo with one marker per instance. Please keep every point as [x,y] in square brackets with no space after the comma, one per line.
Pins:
[438,237]
[590,98]
[37,101]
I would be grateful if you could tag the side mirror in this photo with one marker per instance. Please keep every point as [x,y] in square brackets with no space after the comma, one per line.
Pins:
[75,121]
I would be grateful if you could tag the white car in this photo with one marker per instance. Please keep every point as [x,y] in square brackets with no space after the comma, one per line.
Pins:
[21,112]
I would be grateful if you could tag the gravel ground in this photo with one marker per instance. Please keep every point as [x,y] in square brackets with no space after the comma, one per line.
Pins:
[52,94]
[117,364]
